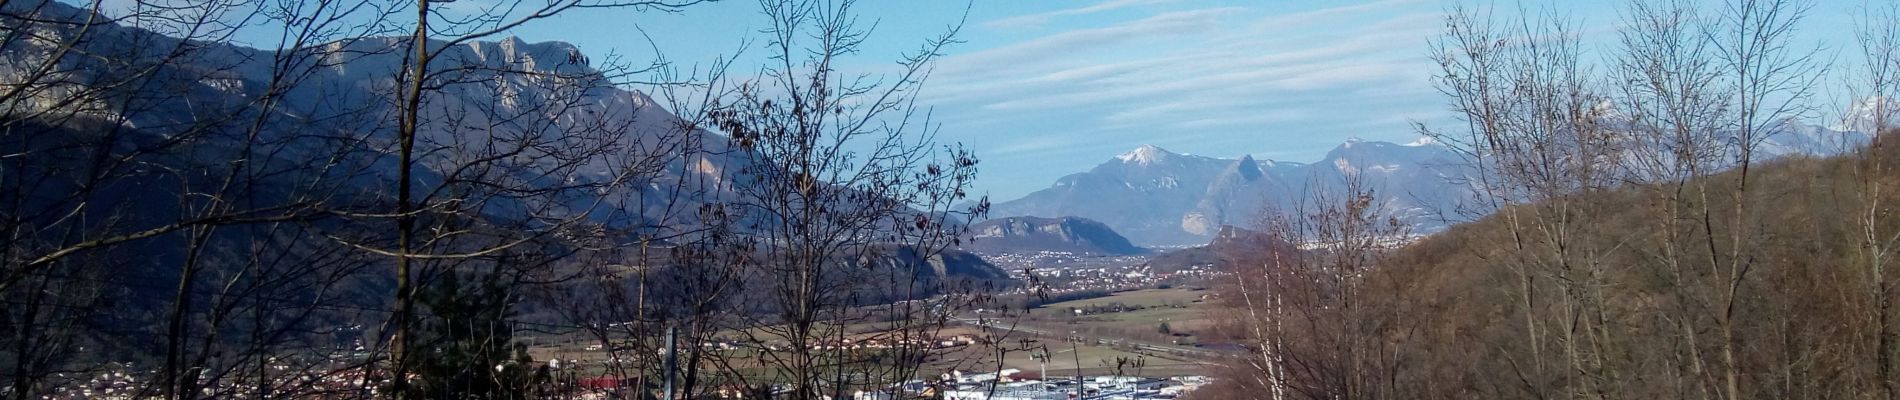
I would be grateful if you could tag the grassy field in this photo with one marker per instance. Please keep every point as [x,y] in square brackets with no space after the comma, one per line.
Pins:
[1063,360]
[1176,307]
[1144,297]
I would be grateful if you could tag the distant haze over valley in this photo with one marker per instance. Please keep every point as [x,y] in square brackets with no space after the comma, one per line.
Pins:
[831,199]
[1156,197]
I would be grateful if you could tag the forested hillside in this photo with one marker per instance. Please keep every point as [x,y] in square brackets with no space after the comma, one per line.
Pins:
[1637,245]
[1635,300]
[398,199]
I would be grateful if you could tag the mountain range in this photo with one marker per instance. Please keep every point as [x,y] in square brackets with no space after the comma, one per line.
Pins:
[519,134]
[1160,198]
[1149,195]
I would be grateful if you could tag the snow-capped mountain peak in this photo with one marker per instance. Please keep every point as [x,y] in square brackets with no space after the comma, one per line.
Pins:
[1862,116]
[1147,154]
[1155,197]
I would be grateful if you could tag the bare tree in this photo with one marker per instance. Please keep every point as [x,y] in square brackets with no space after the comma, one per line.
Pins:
[1670,94]
[536,157]
[1536,135]
[1319,319]
[1472,55]
[1694,97]
[1875,88]
[1767,81]
[848,199]
[163,108]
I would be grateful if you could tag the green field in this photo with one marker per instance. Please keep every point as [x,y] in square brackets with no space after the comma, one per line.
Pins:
[1176,307]
[1057,322]
[1063,360]
[1144,297]
[1054,323]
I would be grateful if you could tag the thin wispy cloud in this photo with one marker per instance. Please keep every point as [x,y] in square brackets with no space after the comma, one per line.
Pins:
[1324,15]
[1260,117]
[1060,46]
[1039,19]
[1030,146]
[1221,81]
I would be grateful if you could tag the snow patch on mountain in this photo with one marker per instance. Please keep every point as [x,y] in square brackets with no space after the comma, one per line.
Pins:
[1158,198]
[1864,114]
[1147,154]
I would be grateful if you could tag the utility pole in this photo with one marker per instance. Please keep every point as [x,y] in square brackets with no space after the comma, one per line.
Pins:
[1042,357]
[1078,362]
[672,358]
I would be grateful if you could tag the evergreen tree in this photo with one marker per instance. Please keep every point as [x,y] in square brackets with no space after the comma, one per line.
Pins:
[467,348]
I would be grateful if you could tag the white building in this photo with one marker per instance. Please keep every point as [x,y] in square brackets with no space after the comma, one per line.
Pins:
[1035,392]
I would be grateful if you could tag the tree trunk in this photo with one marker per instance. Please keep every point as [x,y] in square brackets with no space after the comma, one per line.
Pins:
[405,223]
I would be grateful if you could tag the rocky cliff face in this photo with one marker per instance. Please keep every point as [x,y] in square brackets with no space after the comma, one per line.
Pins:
[538,123]
[1027,234]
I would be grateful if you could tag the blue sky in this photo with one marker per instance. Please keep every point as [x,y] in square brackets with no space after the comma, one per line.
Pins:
[1041,89]
[1044,89]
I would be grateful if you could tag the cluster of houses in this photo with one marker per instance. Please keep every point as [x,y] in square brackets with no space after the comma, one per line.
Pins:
[825,345]
[102,385]
[1066,273]
[125,383]
[1007,384]
[1010,384]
